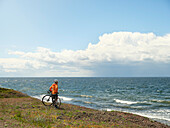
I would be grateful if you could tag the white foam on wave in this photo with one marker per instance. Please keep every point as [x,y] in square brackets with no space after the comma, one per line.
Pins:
[86,96]
[65,98]
[87,102]
[125,102]
[163,111]
[161,101]
[152,116]
[108,109]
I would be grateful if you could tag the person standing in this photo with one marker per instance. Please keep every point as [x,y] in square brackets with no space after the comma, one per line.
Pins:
[54,90]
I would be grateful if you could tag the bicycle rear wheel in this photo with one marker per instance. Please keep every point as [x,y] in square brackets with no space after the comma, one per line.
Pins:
[47,100]
[58,102]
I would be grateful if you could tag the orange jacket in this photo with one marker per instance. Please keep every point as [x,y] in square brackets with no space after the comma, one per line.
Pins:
[54,88]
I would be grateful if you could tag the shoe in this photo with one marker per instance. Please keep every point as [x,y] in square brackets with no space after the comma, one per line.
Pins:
[56,106]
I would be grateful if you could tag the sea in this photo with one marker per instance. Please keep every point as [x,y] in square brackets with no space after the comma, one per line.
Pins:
[148,97]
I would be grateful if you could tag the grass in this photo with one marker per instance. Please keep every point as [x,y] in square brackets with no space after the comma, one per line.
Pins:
[29,112]
[9,93]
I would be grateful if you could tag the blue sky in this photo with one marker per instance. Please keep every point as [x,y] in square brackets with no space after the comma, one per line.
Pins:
[44,35]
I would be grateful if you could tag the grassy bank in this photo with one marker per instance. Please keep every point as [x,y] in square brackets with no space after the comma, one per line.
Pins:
[20,110]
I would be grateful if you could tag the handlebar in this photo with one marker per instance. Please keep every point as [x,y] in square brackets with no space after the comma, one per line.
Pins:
[49,91]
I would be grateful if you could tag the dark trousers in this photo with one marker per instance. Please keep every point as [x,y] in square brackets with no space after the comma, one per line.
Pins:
[54,96]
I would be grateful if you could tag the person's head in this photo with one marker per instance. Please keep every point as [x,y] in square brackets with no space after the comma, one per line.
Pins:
[56,81]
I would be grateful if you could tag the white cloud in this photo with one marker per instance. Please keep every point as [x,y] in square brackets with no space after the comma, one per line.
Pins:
[127,46]
[12,63]
[15,53]
[17,65]
[118,47]
[9,70]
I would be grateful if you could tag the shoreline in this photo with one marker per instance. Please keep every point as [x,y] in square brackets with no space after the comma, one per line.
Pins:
[20,110]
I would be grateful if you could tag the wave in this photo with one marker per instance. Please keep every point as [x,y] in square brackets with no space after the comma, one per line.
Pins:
[125,102]
[87,96]
[83,102]
[128,107]
[84,96]
[65,98]
[108,109]
[152,116]
[87,102]
[155,116]
[162,111]
[161,101]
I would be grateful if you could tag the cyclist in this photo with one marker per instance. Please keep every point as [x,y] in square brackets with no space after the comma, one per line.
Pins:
[54,90]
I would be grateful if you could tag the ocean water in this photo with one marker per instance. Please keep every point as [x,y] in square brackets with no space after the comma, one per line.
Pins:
[149,97]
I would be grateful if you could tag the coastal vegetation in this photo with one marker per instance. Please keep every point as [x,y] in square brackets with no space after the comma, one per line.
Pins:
[19,110]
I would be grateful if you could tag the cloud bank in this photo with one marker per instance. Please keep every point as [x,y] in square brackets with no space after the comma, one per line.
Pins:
[118,49]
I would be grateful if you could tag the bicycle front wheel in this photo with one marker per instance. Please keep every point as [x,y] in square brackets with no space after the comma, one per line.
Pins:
[47,100]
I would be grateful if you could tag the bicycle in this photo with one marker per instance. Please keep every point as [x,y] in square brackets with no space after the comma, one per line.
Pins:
[50,99]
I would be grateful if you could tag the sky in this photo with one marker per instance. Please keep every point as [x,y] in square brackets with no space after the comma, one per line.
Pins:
[85,38]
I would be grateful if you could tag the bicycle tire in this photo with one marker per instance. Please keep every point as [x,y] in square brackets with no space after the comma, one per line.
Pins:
[47,100]
[58,103]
